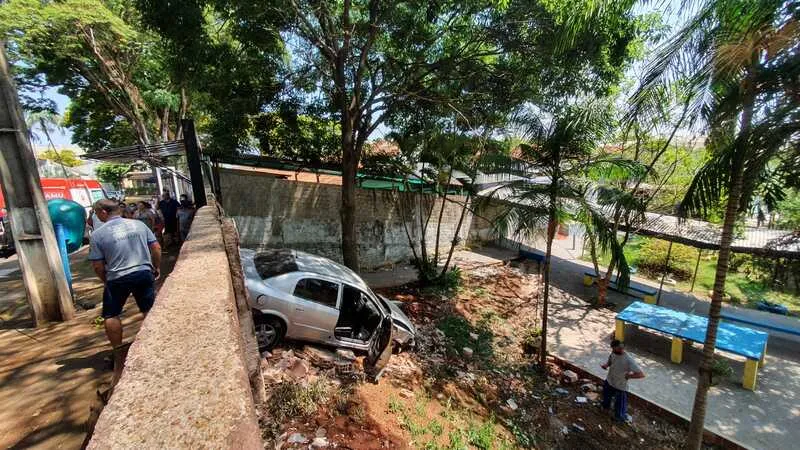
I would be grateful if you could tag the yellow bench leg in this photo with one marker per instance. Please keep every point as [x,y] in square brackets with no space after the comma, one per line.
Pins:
[677,350]
[651,299]
[619,330]
[763,359]
[588,280]
[750,374]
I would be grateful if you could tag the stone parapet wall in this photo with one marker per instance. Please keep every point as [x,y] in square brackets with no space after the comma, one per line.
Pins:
[185,385]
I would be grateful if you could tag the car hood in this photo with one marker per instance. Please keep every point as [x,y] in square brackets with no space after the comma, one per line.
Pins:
[399,316]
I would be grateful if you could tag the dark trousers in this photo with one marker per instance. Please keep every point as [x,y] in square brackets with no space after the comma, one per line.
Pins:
[620,403]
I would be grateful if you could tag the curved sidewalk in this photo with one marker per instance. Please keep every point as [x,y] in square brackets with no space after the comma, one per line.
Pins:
[766,418]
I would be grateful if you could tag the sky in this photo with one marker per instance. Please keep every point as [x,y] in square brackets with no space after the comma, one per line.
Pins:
[63,137]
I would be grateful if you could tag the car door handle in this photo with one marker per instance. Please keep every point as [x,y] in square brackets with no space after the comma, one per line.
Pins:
[299,309]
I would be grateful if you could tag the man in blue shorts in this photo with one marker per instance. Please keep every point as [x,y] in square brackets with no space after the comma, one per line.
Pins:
[126,256]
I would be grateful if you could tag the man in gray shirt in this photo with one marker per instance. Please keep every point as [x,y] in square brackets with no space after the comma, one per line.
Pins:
[126,256]
[621,368]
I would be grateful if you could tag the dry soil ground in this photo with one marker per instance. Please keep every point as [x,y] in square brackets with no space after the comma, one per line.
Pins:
[469,384]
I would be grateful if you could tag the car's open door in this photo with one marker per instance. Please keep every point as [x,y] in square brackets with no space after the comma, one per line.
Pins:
[380,349]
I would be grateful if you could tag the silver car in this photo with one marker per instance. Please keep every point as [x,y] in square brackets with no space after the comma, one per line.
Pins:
[297,295]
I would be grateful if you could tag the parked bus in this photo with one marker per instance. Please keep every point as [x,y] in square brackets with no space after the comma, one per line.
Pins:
[85,192]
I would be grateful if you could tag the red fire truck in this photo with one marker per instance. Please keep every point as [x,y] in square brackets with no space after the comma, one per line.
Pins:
[85,192]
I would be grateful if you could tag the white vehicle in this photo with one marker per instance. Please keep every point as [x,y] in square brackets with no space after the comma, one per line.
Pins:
[297,295]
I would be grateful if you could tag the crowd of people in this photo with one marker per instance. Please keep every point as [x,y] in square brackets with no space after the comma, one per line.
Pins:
[169,221]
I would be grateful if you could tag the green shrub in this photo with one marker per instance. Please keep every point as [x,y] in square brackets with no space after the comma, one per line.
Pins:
[653,255]
[720,370]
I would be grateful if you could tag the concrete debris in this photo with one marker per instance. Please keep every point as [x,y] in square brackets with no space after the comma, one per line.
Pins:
[570,376]
[512,404]
[297,438]
[346,354]
[473,336]
[405,393]
[319,442]
[321,432]
[467,352]
[319,356]
[299,368]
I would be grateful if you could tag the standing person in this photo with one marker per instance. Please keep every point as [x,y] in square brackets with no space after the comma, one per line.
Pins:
[185,216]
[621,368]
[93,221]
[126,256]
[169,210]
[145,213]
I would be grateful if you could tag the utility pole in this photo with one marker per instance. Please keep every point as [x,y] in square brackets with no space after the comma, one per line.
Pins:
[194,162]
[34,238]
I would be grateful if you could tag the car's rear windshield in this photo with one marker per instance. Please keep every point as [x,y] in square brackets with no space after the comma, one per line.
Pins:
[271,263]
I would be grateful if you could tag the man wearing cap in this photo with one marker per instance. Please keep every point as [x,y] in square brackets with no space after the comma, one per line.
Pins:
[621,368]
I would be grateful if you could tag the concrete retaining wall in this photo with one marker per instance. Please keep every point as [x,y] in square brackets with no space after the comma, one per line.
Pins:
[185,384]
[272,213]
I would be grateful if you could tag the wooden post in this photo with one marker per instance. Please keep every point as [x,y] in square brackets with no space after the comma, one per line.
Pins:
[34,238]
[666,269]
[696,266]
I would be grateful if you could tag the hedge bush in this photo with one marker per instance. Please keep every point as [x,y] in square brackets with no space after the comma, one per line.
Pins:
[653,255]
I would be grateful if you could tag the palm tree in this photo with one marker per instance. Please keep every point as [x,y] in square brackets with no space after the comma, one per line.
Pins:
[737,62]
[552,178]
[47,121]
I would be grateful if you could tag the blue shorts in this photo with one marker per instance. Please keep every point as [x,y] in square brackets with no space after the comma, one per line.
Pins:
[141,284]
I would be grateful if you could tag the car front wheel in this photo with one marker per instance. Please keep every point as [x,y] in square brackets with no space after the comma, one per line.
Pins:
[269,331]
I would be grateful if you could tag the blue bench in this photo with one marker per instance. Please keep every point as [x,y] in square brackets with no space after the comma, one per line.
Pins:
[683,326]
[757,323]
[647,294]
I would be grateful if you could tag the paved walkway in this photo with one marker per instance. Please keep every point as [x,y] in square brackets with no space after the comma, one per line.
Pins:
[764,419]
[49,375]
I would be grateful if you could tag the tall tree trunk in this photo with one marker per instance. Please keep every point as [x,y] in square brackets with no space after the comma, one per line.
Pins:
[164,124]
[551,234]
[696,427]
[455,236]
[441,214]
[349,171]
[182,113]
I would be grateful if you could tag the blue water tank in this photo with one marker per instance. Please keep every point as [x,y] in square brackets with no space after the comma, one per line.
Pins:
[72,216]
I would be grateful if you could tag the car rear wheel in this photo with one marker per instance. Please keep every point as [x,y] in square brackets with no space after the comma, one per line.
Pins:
[269,331]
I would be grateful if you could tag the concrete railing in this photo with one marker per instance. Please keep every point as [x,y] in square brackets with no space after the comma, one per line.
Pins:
[185,384]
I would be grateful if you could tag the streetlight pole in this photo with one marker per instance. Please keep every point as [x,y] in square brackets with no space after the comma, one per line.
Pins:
[34,238]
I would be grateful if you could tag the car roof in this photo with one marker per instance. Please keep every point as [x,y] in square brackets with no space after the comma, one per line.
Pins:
[274,262]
